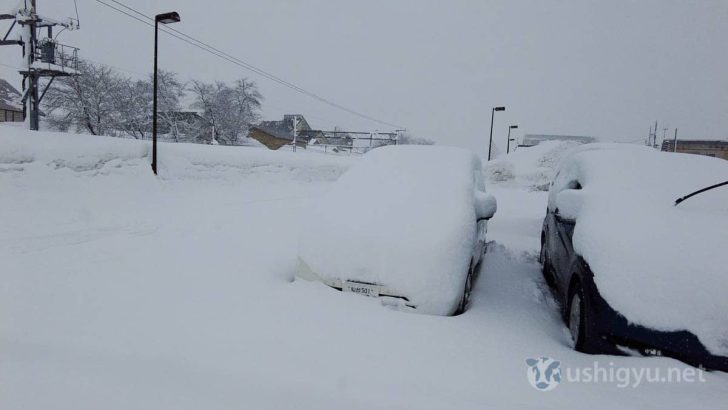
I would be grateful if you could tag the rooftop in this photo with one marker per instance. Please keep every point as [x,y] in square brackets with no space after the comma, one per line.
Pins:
[535,139]
[10,97]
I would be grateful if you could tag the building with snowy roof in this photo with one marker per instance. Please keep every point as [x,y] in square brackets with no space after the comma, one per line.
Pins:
[275,134]
[11,107]
[711,148]
[529,140]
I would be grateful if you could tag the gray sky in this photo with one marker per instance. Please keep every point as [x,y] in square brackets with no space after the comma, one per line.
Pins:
[602,68]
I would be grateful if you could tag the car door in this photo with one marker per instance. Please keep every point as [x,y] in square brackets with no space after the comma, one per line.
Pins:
[485,208]
[561,235]
[564,233]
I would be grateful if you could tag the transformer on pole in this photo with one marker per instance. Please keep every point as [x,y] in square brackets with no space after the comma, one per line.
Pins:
[43,56]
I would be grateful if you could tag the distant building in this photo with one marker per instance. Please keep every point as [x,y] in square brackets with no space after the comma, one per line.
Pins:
[11,106]
[276,134]
[711,148]
[529,140]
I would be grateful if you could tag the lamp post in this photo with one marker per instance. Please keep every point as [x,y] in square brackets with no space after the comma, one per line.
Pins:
[492,115]
[508,144]
[164,18]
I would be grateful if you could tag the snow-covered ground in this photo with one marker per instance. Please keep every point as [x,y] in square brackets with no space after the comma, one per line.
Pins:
[531,168]
[121,290]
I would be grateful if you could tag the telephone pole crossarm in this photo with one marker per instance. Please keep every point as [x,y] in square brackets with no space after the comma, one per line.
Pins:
[43,56]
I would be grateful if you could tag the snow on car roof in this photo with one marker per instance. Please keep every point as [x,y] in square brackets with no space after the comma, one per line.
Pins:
[662,266]
[403,216]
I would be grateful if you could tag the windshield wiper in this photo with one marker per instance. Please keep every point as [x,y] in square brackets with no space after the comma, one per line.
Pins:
[679,200]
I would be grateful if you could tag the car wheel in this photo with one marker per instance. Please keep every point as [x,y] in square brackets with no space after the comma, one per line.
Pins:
[577,319]
[547,270]
[465,300]
[542,255]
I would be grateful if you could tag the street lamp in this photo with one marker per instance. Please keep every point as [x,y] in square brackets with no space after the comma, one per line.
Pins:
[492,115]
[508,145]
[164,18]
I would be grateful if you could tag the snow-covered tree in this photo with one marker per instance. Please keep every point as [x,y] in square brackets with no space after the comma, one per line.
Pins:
[170,90]
[135,105]
[134,109]
[409,139]
[88,102]
[230,111]
[102,102]
[247,102]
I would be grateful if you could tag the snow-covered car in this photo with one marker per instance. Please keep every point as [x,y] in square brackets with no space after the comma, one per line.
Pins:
[406,224]
[637,270]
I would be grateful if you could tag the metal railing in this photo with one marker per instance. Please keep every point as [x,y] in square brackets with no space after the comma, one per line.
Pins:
[60,57]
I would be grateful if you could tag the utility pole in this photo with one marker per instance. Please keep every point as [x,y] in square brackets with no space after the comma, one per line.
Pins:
[492,116]
[42,57]
[30,41]
[295,132]
[164,18]
[674,142]
[508,143]
[649,137]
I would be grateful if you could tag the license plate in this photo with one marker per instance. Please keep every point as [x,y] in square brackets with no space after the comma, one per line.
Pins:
[361,288]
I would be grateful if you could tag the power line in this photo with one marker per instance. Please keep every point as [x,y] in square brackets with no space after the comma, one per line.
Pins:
[150,24]
[186,79]
[234,60]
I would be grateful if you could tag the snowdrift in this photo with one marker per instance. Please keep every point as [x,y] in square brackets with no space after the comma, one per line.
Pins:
[93,155]
[531,167]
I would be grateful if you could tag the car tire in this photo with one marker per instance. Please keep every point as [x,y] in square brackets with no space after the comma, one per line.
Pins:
[547,270]
[467,291]
[577,319]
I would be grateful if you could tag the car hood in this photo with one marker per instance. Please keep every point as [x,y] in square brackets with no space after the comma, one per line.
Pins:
[665,270]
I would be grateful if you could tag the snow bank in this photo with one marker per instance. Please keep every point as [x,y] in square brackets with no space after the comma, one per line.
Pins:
[532,167]
[404,217]
[93,155]
[660,265]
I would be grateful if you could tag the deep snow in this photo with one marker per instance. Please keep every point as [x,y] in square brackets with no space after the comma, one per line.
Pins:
[531,167]
[121,290]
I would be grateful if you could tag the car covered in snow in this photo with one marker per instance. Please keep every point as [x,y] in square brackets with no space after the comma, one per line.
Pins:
[636,269]
[406,224]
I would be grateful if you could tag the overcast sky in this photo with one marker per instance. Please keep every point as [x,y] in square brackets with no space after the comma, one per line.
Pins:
[601,68]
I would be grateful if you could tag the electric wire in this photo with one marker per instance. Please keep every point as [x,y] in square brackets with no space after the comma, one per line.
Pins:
[145,19]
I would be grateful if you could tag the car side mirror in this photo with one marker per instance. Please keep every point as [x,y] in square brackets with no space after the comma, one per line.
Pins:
[485,205]
[560,218]
[568,205]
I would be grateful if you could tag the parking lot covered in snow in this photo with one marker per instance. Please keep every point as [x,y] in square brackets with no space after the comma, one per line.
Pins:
[122,290]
